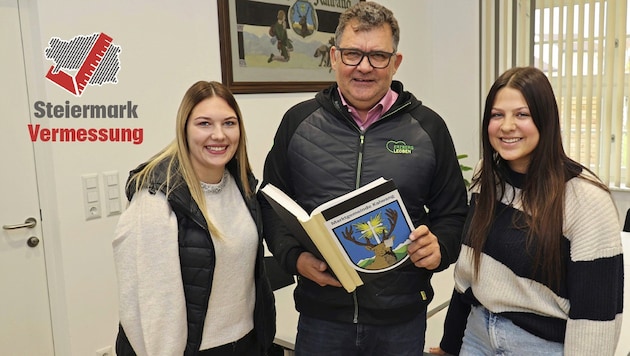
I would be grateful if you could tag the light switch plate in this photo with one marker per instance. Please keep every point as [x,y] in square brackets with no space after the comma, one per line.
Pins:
[112,193]
[91,196]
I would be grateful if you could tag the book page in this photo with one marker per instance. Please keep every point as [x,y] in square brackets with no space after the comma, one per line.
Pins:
[286,201]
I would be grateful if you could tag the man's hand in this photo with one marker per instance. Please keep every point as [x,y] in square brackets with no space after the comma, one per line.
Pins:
[424,249]
[437,351]
[312,268]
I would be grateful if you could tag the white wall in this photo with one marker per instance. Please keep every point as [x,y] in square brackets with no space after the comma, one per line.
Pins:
[622,200]
[166,46]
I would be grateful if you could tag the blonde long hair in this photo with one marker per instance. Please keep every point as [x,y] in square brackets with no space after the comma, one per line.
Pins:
[177,153]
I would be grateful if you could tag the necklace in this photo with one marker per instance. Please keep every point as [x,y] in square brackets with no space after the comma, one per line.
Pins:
[217,187]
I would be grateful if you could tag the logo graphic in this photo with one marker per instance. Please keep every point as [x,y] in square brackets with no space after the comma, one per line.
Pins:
[375,241]
[94,58]
[399,147]
[303,18]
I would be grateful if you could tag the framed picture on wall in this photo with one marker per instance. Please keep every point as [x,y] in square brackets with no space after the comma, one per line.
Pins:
[278,46]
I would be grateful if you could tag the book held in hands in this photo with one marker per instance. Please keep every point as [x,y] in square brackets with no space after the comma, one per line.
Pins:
[360,235]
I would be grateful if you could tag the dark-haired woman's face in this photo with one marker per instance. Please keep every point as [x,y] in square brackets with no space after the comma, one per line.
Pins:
[511,129]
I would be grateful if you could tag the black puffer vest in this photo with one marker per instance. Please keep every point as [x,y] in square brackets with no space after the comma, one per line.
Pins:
[197,260]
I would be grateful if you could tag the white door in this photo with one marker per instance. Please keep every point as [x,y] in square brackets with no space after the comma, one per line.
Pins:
[25,323]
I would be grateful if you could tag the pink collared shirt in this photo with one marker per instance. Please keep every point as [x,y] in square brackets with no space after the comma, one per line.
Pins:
[375,112]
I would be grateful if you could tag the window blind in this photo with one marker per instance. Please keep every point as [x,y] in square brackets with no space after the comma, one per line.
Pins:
[582,46]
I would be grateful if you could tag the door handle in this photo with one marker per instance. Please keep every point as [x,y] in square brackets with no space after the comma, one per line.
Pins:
[28,223]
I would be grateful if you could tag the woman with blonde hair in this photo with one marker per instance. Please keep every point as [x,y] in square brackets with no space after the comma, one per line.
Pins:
[188,249]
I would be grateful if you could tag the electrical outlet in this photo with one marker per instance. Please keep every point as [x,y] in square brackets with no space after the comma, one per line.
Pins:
[105,351]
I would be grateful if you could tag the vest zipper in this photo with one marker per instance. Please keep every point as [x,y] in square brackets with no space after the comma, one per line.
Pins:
[355,318]
[357,182]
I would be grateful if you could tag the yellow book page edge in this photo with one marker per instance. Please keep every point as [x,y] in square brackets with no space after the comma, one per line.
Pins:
[347,275]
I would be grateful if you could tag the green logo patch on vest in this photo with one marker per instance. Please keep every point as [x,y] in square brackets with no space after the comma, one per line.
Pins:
[399,147]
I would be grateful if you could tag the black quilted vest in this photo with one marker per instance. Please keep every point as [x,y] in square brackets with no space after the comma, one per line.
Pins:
[197,260]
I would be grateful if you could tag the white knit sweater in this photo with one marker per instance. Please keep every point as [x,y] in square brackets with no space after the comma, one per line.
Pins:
[588,306]
[151,296]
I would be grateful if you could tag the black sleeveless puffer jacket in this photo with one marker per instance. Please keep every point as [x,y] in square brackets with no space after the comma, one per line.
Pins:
[197,260]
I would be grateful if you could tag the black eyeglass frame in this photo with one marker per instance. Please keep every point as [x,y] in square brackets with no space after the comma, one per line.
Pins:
[366,54]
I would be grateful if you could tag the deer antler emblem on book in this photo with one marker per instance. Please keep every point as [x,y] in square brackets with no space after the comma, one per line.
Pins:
[375,229]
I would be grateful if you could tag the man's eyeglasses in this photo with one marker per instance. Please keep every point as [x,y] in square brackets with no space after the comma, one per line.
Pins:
[353,57]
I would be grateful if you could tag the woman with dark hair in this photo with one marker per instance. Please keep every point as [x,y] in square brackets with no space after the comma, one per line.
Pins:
[541,267]
[188,249]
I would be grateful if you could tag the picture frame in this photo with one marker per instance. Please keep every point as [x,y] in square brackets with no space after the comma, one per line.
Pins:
[254,59]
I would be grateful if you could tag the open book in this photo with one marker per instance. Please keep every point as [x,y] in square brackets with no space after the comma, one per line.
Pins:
[360,234]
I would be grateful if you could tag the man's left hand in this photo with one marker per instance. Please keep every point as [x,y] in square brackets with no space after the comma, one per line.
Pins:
[424,249]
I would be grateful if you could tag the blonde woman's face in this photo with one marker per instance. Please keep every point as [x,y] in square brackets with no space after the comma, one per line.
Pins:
[213,136]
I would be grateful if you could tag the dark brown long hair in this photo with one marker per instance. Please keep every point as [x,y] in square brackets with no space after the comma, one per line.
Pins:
[549,169]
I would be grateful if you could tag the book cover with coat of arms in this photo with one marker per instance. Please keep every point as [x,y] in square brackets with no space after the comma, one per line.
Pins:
[360,235]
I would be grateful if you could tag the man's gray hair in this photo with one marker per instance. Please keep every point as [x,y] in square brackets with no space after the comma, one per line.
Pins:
[369,15]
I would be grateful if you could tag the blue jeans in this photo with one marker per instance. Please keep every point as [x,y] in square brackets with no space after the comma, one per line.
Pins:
[317,337]
[491,334]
